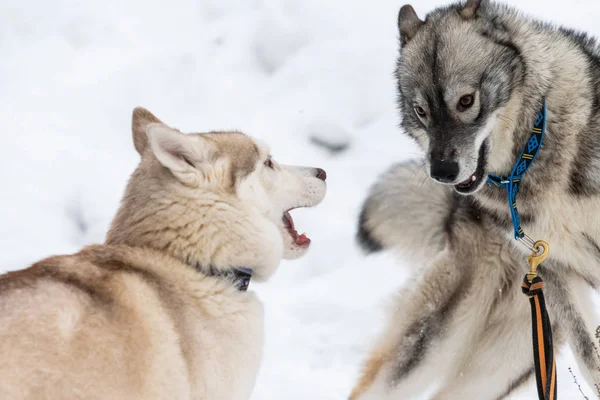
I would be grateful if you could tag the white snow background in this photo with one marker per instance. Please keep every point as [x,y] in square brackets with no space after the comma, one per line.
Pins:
[281,70]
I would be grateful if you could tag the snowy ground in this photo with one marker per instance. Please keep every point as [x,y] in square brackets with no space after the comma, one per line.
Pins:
[281,70]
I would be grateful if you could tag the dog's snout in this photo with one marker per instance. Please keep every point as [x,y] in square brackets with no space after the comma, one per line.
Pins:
[321,174]
[444,171]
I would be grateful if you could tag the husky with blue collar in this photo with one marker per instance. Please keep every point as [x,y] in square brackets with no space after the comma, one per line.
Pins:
[161,309]
[506,110]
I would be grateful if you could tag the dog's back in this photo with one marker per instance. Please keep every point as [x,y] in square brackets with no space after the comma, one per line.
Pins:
[117,322]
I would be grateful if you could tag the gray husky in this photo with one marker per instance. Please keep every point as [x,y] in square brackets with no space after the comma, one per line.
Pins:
[472,79]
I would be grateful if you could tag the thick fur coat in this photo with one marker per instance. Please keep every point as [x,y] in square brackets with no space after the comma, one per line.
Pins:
[152,313]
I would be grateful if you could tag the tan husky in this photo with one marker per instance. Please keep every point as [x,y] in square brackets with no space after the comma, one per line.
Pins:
[160,310]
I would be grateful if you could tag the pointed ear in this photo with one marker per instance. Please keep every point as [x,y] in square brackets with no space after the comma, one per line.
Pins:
[140,120]
[470,9]
[179,153]
[408,23]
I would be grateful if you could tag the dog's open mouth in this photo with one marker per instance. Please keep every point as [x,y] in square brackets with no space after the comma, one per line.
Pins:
[288,222]
[477,179]
[469,183]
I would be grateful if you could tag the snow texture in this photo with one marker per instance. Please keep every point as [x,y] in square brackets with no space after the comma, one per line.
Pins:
[312,78]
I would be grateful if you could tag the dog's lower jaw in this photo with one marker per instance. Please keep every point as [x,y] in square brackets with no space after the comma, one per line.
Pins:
[474,188]
[478,178]
[294,245]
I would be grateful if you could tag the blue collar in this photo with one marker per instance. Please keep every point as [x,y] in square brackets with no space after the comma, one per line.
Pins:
[511,182]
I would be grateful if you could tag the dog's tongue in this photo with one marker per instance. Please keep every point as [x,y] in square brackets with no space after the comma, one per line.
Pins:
[302,240]
[299,240]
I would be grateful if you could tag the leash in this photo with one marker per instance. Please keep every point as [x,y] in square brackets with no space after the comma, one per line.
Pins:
[543,351]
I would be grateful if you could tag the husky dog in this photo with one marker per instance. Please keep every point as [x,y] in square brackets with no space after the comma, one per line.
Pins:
[462,322]
[471,79]
[160,310]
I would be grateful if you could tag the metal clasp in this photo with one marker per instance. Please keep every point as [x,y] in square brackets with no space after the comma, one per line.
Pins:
[540,252]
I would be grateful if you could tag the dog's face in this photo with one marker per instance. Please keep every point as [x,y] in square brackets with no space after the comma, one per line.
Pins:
[276,189]
[223,197]
[456,74]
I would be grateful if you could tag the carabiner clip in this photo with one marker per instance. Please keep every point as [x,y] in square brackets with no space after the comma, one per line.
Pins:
[536,258]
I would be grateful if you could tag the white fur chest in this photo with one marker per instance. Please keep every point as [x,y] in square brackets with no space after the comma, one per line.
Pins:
[225,346]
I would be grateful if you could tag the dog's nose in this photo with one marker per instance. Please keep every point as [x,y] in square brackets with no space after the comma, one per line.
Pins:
[444,171]
[321,174]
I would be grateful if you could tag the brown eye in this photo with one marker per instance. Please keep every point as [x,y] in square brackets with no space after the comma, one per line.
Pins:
[466,102]
[420,112]
[269,163]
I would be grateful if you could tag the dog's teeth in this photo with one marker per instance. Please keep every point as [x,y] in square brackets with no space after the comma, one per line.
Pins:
[473,178]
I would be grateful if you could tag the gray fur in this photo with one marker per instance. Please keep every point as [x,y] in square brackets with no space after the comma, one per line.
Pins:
[509,64]
[517,383]
[376,231]
[463,317]
[408,23]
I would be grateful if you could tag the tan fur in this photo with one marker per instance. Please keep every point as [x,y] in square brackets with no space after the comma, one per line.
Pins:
[121,322]
[138,317]
[161,223]
[373,366]
[241,150]
[140,120]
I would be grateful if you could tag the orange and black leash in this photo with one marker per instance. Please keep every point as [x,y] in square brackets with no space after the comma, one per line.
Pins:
[543,350]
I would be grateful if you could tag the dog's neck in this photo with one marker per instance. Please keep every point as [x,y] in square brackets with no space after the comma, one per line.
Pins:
[556,77]
[215,232]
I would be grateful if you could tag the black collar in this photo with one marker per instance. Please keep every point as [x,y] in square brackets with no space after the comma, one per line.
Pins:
[239,276]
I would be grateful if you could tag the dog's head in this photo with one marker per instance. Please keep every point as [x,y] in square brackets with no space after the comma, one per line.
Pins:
[456,75]
[215,200]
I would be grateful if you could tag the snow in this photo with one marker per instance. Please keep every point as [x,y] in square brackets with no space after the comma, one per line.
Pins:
[285,71]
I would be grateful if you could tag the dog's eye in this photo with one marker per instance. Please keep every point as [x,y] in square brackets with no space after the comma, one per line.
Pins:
[466,102]
[269,163]
[420,112]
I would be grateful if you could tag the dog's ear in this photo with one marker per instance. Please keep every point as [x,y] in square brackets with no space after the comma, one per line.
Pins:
[184,155]
[470,9]
[140,120]
[408,23]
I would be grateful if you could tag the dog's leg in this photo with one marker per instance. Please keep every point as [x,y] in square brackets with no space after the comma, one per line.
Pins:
[500,362]
[406,211]
[414,346]
[500,359]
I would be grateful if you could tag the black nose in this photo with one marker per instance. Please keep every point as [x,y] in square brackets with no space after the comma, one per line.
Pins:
[321,174]
[444,171]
